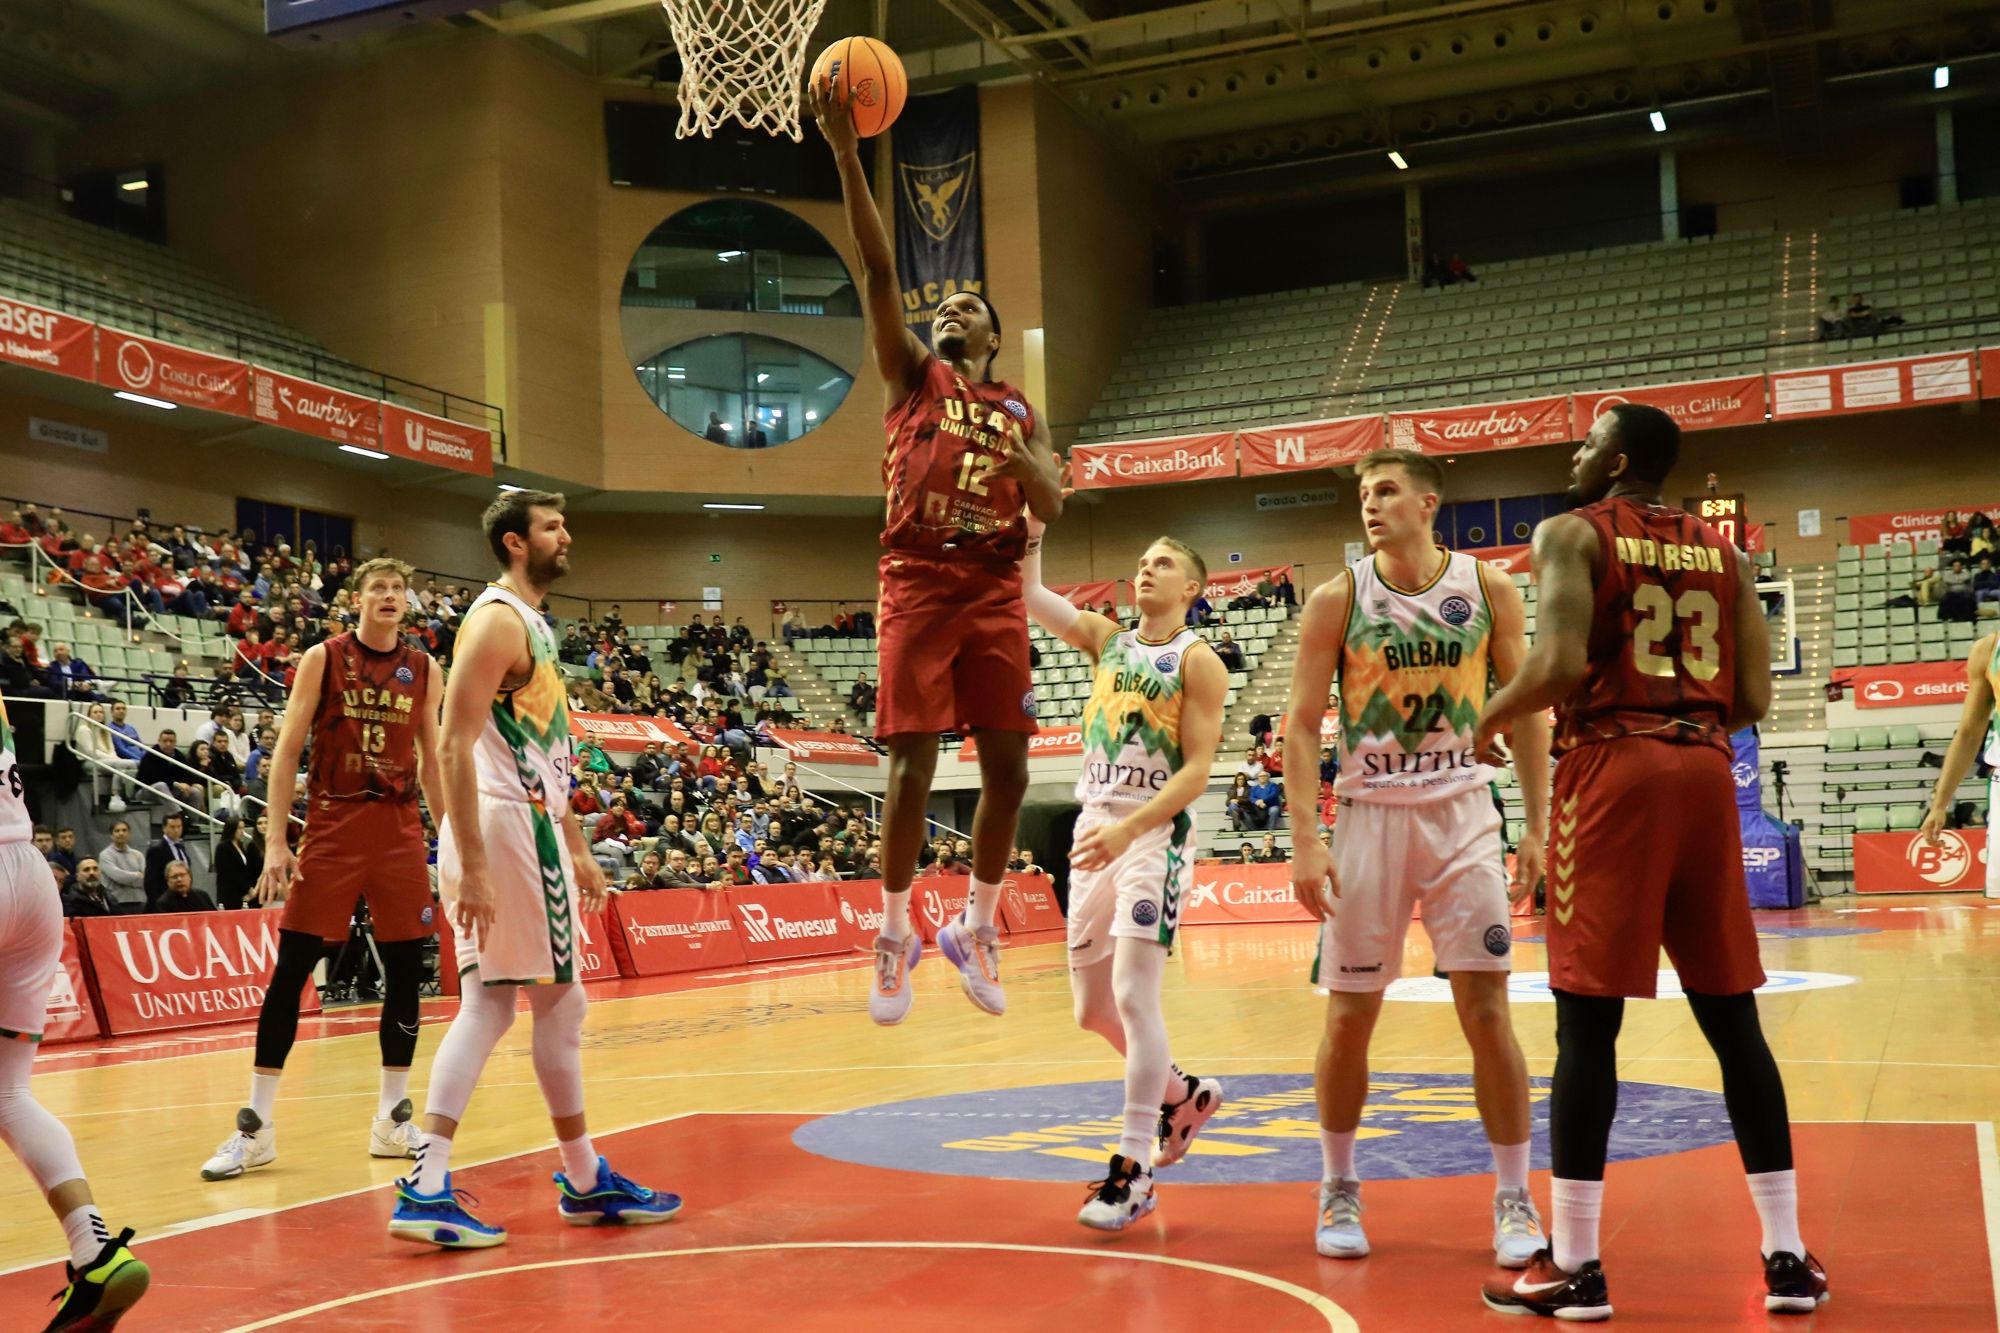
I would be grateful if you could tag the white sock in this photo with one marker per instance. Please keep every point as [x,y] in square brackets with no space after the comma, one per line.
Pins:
[896,915]
[1776,1194]
[263,1092]
[579,1161]
[1578,1204]
[1136,1140]
[1510,1165]
[87,1234]
[433,1163]
[1336,1153]
[395,1087]
[981,905]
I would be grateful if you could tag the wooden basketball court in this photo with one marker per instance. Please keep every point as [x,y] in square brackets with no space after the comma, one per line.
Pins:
[840,1175]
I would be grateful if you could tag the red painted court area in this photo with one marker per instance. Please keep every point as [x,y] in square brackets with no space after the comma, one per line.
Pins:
[773,1236]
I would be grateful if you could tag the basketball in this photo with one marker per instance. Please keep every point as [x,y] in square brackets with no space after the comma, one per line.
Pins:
[870,76]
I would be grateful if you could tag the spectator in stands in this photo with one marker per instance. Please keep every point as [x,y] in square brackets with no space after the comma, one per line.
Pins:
[1460,271]
[217,795]
[651,873]
[44,839]
[171,849]
[246,615]
[1229,652]
[251,654]
[61,848]
[674,874]
[1986,581]
[1928,587]
[1284,591]
[711,838]
[1270,853]
[18,676]
[1246,855]
[256,778]
[1833,321]
[1237,804]
[124,866]
[162,770]
[14,531]
[1957,602]
[98,744]
[861,698]
[1267,802]
[127,741]
[1252,766]
[717,433]
[239,860]
[619,823]
[86,894]
[181,895]
[1436,273]
[1981,539]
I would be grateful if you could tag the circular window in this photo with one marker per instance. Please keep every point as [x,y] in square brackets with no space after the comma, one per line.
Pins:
[741,323]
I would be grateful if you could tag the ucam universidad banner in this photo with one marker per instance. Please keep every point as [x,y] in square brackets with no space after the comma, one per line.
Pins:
[940,218]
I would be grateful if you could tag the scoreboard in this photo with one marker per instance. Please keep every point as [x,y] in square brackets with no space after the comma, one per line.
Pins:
[300,22]
[1724,513]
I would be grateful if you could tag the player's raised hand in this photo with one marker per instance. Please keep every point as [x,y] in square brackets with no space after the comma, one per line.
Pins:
[280,869]
[1530,856]
[835,117]
[1315,883]
[590,885]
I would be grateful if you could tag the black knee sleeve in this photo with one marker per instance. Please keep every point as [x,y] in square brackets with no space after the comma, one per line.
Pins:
[278,1021]
[1583,1100]
[402,979]
[1751,1086]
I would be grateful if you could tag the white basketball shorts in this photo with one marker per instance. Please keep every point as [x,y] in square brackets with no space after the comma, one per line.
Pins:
[31,923]
[1138,896]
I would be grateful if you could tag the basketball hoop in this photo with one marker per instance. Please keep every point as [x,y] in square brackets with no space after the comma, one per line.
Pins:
[743,59]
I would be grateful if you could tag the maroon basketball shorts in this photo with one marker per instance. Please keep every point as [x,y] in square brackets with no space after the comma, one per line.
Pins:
[362,849]
[1645,852]
[954,647]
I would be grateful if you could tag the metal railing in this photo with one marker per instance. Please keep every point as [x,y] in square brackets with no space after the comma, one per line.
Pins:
[78,722]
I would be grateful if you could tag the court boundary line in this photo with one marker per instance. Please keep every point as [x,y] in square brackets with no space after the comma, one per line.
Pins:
[1989,1193]
[1337,1319]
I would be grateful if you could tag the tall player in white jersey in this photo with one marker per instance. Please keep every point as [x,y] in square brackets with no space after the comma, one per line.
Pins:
[1150,730]
[1414,632]
[512,861]
[104,1279]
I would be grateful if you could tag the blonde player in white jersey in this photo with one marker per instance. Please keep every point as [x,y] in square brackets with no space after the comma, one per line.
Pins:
[1150,730]
[1413,632]
[512,862]
[104,1279]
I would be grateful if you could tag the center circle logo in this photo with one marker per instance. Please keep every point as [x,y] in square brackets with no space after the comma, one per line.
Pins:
[1414,1126]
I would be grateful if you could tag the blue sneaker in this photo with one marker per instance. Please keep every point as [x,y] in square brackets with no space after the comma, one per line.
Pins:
[439,1219]
[614,1200]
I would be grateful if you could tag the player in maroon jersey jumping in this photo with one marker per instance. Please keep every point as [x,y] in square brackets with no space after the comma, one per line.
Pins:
[368,700]
[1652,645]
[967,458]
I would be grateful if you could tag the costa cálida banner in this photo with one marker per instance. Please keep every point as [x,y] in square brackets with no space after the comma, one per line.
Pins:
[1701,405]
[940,221]
[154,369]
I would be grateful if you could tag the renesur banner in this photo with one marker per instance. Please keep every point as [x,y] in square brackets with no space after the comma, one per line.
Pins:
[1465,430]
[1701,405]
[155,369]
[315,409]
[786,920]
[1097,467]
[47,340]
[177,970]
[423,438]
[1310,445]
[940,223]
[1875,386]
[1507,559]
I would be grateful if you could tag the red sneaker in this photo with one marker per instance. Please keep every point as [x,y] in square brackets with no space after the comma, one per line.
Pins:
[1793,1285]
[1546,1290]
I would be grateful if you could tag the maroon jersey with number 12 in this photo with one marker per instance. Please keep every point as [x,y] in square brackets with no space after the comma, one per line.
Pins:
[944,441]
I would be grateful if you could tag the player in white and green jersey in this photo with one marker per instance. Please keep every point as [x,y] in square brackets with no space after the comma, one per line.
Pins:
[1976,723]
[1150,730]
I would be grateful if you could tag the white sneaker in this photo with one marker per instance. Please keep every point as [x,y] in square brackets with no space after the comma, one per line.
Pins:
[1340,1235]
[395,1134]
[976,955]
[1123,1197]
[254,1144]
[1183,1120]
[1517,1228]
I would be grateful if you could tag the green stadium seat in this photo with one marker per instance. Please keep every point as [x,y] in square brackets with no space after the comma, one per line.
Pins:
[1904,737]
[1841,739]
[1872,738]
[1871,819]
[1905,818]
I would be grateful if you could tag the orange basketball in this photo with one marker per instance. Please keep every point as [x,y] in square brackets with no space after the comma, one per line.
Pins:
[870,76]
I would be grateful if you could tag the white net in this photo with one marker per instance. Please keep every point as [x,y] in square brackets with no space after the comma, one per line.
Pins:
[741,58]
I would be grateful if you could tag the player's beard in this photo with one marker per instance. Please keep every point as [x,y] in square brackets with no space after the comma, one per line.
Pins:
[546,569]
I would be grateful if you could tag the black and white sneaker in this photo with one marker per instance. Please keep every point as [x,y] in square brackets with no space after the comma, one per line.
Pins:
[1542,1288]
[1794,1285]
[1180,1122]
[1123,1197]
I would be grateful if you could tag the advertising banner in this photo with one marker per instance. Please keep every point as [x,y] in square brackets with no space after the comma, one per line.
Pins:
[72,1014]
[1746,767]
[672,930]
[1907,685]
[181,375]
[936,899]
[1875,386]
[1090,596]
[47,340]
[826,747]
[315,409]
[1310,445]
[940,218]
[597,960]
[1096,467]
[1028,902]
[1480,429]
[1225,894]
[1989,372]
[1908,525]
[1506,559]
[627,733]
[1702,405]
[423,438]
[1048,743]
[1905,863]
[786,920]
[860,905]
[177,970]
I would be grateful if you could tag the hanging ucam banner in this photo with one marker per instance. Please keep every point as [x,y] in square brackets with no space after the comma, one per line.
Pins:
[940,235]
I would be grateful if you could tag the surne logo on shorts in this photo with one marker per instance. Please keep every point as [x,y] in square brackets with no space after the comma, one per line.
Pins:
[1498,941]
[1028,704]
[1455,610]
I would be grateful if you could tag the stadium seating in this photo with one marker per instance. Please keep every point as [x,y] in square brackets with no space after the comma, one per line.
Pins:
[1868,631]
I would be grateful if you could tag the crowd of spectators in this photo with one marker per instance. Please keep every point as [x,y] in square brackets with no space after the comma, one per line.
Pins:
[714,675]
[1857,319]
[122,879]
[1964,584]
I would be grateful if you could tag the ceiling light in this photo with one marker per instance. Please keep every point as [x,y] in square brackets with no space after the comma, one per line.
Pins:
[726,506]
[365,453]
[763,375]
[138,183]
[1941,77]
[511,489]
[726,255]
[142,398]
[1397,159]
[811,415]
[676,374]
[1659,119]
[830,383]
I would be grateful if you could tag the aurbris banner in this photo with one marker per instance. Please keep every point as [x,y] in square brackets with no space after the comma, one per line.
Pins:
[1224,894]
[1464,430]
[1905,863]
[1096,467]
[1909,525]
[624,733]
[72,1014]
[940,227]
[1873,387]
[146,366]
[826,747]
[47,340]
[1048,743]
[1702,405]
[1909,685]
[672,930]
[1310,445]
[423,438]
[314,409]
[179,970]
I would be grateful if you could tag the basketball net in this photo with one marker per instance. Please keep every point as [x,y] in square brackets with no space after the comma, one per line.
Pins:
[743,59]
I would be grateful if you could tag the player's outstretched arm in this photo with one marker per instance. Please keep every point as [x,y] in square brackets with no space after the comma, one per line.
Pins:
[489,645]
[899,354]
[1972,723]
[1753,650]
[1565,549]
[1085,631]
[283,770]
[1322,627]
[1530,745]
[1204,685]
